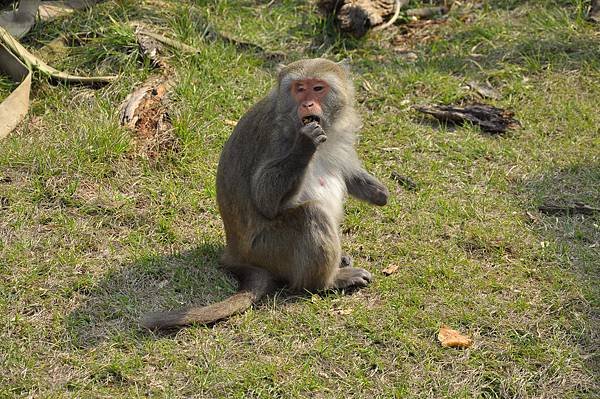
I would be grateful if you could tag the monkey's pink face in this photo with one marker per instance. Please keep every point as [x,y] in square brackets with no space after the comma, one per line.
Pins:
[309,94]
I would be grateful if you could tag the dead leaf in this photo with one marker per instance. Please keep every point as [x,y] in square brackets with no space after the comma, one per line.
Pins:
[390,269]
[450,338]
[229,122]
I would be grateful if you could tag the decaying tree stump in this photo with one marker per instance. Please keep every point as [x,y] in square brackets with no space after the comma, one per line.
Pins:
[358,16]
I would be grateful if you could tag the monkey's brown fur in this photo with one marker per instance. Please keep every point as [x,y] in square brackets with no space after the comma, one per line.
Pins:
[280,190]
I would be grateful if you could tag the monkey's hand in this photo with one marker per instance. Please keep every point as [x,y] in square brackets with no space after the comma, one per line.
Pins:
[367,188]
[312,134]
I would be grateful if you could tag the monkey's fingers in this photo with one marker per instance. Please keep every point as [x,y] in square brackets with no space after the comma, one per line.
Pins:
[314,132]
[321,139]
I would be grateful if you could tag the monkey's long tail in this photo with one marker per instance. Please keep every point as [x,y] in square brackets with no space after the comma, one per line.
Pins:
[255,283]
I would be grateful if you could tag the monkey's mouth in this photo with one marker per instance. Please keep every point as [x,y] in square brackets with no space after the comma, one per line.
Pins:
[310,118]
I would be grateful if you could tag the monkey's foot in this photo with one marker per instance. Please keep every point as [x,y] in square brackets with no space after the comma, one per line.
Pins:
[346,261]
[351,277]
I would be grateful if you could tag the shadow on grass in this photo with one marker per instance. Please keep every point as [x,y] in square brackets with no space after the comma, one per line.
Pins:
[576,183]
[577,240]
[533,54]
[115,305]
[511,4]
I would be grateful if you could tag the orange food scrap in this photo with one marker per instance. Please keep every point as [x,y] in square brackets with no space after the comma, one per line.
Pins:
[450,338]
[390,269]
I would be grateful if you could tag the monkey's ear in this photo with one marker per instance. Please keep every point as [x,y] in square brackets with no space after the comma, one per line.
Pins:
[345,63]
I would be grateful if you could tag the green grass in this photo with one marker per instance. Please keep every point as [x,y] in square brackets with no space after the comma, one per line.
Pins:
[93,233]
[6,86]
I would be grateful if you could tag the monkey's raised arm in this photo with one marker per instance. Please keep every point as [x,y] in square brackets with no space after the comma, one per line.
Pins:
[365,187]
[280,176]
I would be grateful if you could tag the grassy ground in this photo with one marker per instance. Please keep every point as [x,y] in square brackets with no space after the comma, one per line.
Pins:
[93,232]
[6,86]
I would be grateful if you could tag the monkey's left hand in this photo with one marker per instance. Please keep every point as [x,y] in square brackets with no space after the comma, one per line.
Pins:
[367,188]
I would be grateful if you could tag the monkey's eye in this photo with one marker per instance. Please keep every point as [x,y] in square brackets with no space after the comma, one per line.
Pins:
[318,88]
[299,89]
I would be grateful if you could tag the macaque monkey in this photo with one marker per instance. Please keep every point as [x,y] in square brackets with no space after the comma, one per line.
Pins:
[281,183]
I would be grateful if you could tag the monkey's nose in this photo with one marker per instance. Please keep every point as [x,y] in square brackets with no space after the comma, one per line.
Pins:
[308,104]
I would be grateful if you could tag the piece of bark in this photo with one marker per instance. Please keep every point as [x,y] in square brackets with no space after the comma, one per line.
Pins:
[145,111]
[490,119]
[576,208]
[356,17]
[152,92]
